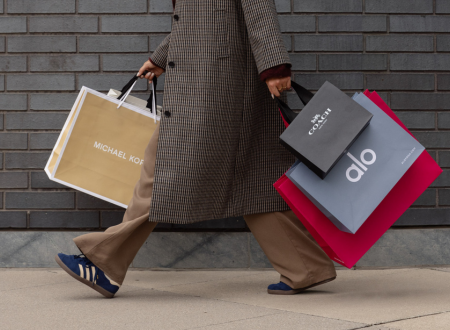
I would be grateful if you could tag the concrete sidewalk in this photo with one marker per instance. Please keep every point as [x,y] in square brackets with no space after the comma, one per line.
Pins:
[214,300]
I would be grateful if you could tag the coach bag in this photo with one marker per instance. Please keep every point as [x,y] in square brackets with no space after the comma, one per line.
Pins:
[326,127]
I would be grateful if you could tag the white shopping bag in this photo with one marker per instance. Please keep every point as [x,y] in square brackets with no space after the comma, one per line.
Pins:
[101,147]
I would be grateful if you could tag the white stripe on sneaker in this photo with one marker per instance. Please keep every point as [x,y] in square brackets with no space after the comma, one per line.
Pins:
[81,270]
[88,274]
[94,275]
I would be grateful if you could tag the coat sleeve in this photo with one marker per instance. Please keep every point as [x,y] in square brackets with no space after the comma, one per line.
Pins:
[282,70]
[159,56]
[263,30]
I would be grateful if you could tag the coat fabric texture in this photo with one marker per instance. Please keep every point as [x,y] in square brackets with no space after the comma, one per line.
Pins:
[218,151]
[281,70]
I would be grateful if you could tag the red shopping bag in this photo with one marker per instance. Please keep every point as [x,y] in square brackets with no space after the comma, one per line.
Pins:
[345,248]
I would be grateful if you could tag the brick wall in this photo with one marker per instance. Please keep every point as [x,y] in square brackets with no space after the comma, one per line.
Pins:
[50,48]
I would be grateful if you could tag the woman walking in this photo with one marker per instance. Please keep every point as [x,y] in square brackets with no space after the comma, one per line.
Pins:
[215,153]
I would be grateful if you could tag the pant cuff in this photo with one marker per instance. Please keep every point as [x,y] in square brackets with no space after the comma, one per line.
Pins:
[98,263]
[306,283]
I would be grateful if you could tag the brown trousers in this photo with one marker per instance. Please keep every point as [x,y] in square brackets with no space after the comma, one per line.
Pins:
[290,248]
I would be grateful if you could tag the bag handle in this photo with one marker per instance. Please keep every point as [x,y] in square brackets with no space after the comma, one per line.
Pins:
[151,102]
[304,95]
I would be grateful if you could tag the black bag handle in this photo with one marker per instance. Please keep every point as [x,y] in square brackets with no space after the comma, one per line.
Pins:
[131,82]
[304,95]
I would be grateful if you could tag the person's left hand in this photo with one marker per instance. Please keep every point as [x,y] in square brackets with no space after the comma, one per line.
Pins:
[277,85]
[153,70]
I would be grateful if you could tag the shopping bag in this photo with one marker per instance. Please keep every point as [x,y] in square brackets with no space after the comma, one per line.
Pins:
[101,147]
[325,128]
[345,248]
[364,176]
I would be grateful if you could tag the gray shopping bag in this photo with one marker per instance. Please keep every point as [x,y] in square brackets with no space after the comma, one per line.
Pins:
[365,175]
[325,129]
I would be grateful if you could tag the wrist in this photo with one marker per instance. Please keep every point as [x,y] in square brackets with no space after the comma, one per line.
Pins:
[151,61]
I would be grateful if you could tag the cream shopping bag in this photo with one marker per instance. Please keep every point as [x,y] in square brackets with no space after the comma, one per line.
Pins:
[101,147]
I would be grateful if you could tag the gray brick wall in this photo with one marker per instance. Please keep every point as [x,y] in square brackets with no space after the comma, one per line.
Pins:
[50,48]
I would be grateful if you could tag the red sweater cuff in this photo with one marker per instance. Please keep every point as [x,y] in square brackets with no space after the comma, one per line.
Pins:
[282,70]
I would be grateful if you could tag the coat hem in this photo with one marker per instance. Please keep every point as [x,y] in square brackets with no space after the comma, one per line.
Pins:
[231,215]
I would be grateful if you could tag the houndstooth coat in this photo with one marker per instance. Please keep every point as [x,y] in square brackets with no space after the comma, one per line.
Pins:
[218,153]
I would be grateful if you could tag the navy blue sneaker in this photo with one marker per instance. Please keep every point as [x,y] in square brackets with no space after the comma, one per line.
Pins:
[283,288]
[82,269]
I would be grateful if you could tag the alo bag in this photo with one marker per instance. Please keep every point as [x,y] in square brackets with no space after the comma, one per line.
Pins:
[364,176]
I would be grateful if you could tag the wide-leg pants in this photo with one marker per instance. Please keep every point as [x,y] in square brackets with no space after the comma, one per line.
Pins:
[290,248]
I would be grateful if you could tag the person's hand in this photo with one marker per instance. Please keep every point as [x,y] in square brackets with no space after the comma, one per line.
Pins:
[153,70]
[277,85]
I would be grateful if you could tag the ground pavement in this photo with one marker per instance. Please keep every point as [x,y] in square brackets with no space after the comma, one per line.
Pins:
[229,299]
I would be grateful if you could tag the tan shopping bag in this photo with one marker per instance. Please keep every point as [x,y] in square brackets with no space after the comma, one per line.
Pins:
[101,147]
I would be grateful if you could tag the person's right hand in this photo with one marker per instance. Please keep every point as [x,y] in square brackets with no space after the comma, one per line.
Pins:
[277,85]
[153,70]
